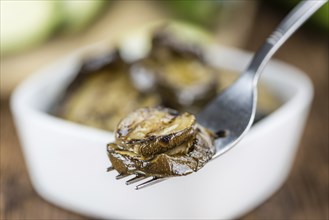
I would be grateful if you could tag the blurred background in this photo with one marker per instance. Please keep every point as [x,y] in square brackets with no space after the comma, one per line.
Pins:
[37,33]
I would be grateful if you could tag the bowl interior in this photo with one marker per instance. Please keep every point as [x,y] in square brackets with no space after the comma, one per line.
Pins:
[39,94]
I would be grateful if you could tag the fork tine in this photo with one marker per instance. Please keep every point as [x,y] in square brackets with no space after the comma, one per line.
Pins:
[136,179]
[121,176]
[109,169]
[150,182]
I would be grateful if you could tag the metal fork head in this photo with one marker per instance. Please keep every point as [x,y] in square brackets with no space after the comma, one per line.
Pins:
[231,114]
[149,180]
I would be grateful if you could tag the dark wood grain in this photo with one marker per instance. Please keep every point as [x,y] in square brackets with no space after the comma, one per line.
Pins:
[17,198]
[303,196]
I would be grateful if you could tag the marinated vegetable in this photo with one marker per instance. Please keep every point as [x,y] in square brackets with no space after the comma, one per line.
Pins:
[183,78]
[143,129]
[160,142]
[102,94]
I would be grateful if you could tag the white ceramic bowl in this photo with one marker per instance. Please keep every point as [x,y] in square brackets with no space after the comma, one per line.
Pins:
[67,161]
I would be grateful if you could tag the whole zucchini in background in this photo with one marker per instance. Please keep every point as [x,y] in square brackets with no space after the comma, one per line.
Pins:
[320,19]
[201,12]
[25,24]
[78,14]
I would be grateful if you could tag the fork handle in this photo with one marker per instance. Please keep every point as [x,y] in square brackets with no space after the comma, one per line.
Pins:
[285,29]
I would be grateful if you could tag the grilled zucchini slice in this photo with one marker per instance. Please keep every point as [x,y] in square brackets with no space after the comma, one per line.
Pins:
[160,142]
[150,131]
[102,94]
[183,79]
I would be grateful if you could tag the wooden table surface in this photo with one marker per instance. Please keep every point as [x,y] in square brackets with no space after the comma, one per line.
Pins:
[303,196]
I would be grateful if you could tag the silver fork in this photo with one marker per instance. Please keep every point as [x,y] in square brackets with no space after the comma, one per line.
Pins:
[231,114]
